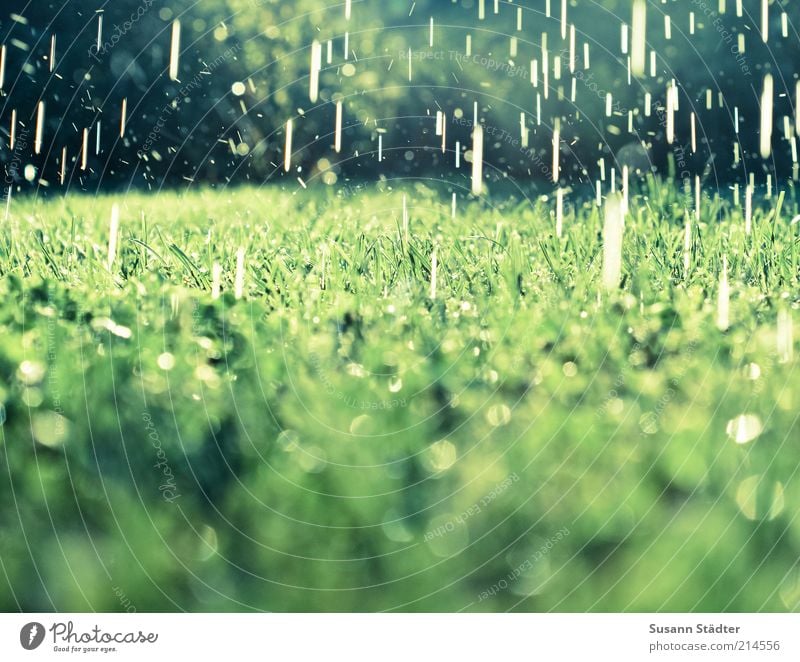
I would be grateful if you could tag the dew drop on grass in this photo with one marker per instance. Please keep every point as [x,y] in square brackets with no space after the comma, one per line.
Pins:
[498,415]
[166,361]
[440,456]
[790,590]
[312,460]
[361,425]
[759,498]
[753,371]
[395,529]
[288,440]
[208,543]
[49,428]
[744,428]
[30,372]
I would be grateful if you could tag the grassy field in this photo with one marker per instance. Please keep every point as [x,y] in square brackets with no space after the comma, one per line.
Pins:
[339,439]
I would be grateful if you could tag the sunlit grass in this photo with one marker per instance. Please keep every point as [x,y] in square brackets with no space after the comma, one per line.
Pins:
[329,379]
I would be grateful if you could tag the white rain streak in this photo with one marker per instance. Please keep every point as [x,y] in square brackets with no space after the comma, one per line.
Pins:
[556,147]
[39,138]
[638,37]
[748,209]
[123,117]
[238,283]
[723,298]
[671,114]
[477,159]
[766,117]
[687,244]
[85,150]
[612,242]
[62,175]
[287,148]
[3,55]
[559,212]
[337,139]
[796,108]
[175,50]
[785,336]
[316,67]
[434,274]
[12,138]
[113,236]
[216,280]
[405,219]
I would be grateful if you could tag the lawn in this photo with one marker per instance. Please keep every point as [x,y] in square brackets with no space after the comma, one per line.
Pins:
[348,435]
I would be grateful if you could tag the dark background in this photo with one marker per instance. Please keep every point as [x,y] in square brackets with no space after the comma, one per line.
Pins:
[208,137]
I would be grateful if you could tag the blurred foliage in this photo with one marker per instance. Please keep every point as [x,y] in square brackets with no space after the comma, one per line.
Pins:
[316,445]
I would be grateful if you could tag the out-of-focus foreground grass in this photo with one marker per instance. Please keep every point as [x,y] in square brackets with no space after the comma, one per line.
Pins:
[337,439]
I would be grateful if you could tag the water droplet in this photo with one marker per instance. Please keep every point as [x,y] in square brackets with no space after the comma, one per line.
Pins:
[498,415]
[753,371]
[288,440]
[759,498]
[30,372]
[744,428]
[49,428]
[208,542]
[166,361]
[440,456]
[361,425]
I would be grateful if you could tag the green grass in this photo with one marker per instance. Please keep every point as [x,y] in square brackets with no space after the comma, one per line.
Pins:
[525,441]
